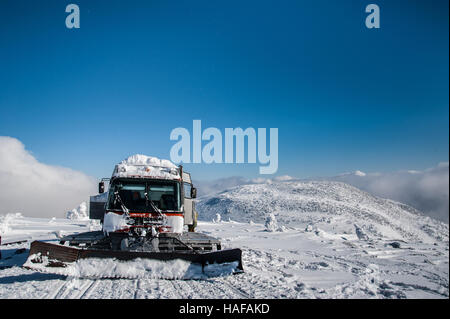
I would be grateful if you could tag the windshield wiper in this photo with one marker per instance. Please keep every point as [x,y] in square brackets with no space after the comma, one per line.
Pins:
[155,208]
[122,205]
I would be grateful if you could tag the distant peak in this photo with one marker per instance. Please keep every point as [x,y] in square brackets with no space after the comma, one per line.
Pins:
[284,178]
[355,173]
[359,173]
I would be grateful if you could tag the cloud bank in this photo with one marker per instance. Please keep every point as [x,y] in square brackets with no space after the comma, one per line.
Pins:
[36,189]
[427,191]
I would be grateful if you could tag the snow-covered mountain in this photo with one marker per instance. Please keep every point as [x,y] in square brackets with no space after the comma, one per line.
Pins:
[426,190]
[332,207]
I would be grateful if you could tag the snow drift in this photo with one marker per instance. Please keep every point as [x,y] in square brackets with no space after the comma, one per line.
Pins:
[79,213]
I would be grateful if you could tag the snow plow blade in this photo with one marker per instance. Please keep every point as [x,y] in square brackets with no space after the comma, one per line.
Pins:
[53,255]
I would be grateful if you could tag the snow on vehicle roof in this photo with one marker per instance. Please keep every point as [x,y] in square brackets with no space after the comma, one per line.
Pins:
[140,159]
[146,166]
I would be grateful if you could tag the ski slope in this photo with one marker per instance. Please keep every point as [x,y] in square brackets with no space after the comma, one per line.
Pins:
[318,240]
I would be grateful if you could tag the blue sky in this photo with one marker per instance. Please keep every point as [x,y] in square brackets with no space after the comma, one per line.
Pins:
[342,96]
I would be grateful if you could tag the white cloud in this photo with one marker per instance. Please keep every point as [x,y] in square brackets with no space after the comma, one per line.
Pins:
[427,191]
[36,189]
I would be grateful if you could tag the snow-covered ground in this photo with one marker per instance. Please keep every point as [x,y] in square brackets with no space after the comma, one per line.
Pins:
[299,240]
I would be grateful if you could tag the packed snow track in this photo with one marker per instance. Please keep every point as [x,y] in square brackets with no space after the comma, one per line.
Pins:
[294,262]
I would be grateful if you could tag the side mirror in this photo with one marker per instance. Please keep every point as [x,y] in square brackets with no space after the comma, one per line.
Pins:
[193,192]
[101,187]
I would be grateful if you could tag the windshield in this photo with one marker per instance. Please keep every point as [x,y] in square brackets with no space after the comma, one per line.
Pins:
[165,196]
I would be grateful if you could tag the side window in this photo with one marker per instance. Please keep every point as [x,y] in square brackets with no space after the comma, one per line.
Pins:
[187,190]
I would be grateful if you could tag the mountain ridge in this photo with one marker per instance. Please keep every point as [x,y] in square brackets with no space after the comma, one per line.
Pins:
[335,206]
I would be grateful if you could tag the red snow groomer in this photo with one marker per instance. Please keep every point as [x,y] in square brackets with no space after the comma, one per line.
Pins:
[147,212]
